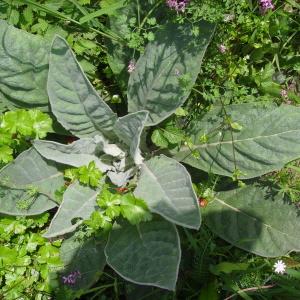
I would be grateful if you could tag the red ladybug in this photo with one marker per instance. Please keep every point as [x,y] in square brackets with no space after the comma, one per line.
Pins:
[202,202]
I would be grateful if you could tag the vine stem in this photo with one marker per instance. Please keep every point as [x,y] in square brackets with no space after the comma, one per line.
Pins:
[256,288]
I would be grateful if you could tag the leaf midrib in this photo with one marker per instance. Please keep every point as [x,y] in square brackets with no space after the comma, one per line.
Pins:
[237,140]
[251,217]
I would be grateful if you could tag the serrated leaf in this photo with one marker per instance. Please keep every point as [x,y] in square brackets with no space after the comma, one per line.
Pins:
[6,154]
[166,187]
[23,75]
[173,135]
[28,15]
[29,170]
[255,219]
[147,254]
[129,129]
[159,139]
[86,256]
[74,101]
[134,210]
[269,139]
[78,204]
[77,154]
[41,123]
[154,84]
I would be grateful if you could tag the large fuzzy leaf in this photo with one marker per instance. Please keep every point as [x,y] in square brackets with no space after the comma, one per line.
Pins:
[269,138]
[23,68]
[155,83]
[27,172]
[85,256]
[255,219]
[77,154]
[78,204]
[129,130]
[147,254]
[74,101]
[166,187]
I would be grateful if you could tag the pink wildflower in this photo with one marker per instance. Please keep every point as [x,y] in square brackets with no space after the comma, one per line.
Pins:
[178,5]
[222,48]
[131,66]
[266,5]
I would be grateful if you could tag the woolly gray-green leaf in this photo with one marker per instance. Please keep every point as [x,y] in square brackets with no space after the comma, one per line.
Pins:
[23,68]
[78,203]
[165,74]
[77,154]
[255,219]
[129,130]
[74,101]
[29,171]
[147,254]
[166,187]
[268,139]
[84,255]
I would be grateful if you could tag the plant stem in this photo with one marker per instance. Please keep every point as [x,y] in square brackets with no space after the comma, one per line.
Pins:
[66,18]
[252,289]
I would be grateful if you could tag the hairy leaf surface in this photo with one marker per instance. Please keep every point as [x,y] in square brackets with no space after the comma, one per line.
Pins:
[129,129]
[23,68]
[166,187]
[74,101]
[147,254]
[256,220]
[86,256]
[269,139]
[28,172]
[155,85]
[77,154]
[78,203]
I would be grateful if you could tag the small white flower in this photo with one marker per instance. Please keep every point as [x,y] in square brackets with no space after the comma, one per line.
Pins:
[280,267]
[131,66]
[228,17]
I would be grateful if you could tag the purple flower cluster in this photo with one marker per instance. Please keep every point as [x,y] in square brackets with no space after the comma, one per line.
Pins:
[265,5]
[71,278]
[178,5]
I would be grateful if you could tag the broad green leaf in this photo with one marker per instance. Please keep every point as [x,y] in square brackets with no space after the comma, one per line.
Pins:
[74,101]
[29,179]
[255,219]
[156,83]
[129,130]
[166,187]
[77,154]
[23,68]
[147,254]
[84,255]
[269,139]
[78,204]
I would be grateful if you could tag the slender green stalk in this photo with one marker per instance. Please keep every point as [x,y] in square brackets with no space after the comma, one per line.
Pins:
[66,18]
